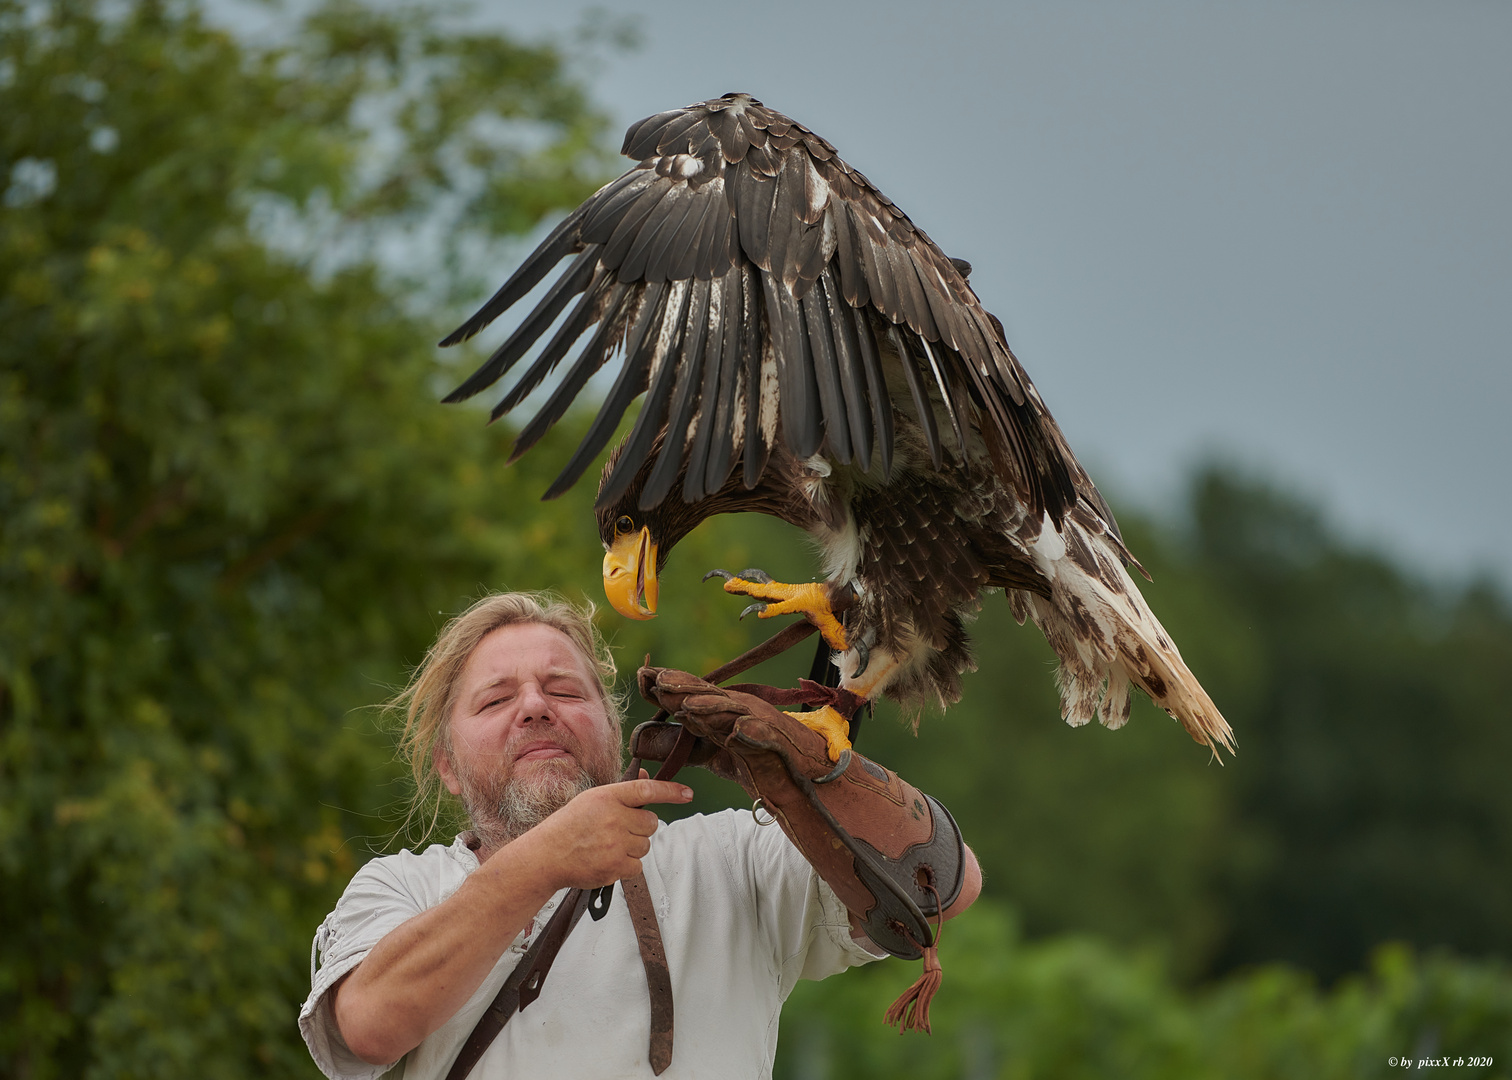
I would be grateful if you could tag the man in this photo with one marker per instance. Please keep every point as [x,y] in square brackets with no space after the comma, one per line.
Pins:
[512,713]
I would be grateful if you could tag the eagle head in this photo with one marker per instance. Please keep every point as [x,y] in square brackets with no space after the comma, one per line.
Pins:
[638,538]
[630,565]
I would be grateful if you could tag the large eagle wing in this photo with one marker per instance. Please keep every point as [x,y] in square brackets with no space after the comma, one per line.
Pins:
[749,277]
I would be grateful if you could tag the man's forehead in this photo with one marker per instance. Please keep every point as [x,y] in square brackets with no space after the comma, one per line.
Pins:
[496,677]
[533,649]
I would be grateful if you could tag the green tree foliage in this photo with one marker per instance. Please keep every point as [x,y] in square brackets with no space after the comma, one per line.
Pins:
[230,511]
[1072,1008]
[232,514]
[1372,793]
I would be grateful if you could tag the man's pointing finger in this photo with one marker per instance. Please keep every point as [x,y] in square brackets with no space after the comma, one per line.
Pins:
[641,792]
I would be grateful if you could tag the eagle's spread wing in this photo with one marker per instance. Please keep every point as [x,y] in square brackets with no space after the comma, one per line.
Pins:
[771,304]
[749,274]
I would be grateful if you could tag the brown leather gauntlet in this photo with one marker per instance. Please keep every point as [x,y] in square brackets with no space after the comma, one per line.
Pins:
[892,854]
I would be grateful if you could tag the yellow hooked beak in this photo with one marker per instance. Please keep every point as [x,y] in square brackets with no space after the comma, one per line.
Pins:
[630,575]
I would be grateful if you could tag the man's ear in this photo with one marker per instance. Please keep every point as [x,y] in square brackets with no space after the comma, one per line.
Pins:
[441,759]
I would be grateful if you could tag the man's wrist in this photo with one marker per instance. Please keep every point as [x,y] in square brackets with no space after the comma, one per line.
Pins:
[521,873]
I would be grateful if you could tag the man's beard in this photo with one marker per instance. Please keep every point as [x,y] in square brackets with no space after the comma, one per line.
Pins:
[504,802]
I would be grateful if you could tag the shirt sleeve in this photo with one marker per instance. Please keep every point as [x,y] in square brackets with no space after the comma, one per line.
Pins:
[800,917]
[375,903]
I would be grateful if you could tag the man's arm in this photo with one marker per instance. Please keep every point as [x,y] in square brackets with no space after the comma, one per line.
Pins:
[971,888]
[832,811]
[420,974]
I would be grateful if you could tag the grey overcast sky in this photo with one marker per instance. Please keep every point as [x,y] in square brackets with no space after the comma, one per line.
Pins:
[1278,232]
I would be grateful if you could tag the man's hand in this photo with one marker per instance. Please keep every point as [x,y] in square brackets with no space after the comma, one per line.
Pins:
[601,835]
[421,973]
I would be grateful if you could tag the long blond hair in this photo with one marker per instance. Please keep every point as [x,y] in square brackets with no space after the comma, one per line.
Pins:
[432,691]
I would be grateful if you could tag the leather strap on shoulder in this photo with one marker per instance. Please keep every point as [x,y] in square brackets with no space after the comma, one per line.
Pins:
[523,985]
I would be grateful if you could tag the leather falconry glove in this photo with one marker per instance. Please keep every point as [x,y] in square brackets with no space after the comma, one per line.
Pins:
[892,854]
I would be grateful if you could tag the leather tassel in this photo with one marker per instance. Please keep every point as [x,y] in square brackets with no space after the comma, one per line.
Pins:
[911,1011]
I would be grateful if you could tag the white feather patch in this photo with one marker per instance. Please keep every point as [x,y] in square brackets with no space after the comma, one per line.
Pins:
[768,412]
[686,165]
[738,417]
[716,303]
[829,239]
[668,329]
[814,482]
[841,549]
[1049,547]
[816,190]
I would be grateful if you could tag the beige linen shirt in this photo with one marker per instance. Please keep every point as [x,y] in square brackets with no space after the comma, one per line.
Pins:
[743,918]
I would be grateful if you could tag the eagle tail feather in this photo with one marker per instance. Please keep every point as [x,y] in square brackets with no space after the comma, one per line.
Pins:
[1109,641]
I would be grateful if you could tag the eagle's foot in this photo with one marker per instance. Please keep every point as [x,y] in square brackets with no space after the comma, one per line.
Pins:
[776,598]
[827,722]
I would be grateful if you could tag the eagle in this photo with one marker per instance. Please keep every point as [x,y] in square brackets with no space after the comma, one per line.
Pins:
[806,351]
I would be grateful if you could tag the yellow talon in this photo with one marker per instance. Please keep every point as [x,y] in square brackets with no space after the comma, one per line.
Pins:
[811,600]
[827,722]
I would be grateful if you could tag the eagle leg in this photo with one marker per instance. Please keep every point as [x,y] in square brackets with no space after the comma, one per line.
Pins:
[829,723]
[776,598]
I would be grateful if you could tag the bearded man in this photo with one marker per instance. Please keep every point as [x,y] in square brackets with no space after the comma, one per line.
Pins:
[512,712]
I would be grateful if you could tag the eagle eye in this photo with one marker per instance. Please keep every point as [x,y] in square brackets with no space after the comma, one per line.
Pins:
[624,524]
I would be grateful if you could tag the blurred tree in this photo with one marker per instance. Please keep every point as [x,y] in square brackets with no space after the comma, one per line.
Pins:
[230,510]
[1071,1008]
[1371,786]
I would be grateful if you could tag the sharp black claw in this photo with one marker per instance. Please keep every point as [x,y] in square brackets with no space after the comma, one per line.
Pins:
[761,577]
[719,574]
[863,658]
[759,605]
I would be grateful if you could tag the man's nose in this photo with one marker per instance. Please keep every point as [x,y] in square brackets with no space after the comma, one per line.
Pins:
[534,704]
